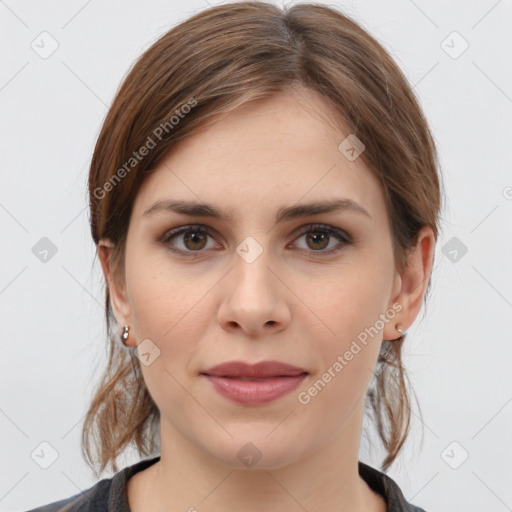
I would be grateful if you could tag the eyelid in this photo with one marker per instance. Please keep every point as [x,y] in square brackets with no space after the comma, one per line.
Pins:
[316,226]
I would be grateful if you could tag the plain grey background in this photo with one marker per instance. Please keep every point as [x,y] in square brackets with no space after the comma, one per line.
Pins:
[459,352]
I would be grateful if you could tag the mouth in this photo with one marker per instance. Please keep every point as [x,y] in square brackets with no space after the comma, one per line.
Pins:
[256,379]
[260,371]
[256,384]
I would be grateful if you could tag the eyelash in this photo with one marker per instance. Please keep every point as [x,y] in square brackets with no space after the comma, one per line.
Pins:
[340,235]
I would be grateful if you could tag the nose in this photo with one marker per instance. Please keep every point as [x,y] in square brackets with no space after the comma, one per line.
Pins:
[254,298]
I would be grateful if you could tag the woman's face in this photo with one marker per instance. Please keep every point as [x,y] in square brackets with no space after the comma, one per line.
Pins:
[255,288]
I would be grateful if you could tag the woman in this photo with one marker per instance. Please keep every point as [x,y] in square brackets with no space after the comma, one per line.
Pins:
[265,203]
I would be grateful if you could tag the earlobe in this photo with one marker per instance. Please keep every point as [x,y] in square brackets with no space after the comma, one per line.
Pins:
[412,283]
[119,302]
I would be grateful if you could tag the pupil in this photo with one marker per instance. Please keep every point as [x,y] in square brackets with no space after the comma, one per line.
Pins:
[316,240]
[194,239]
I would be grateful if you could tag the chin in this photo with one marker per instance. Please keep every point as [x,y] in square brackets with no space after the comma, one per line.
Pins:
[256,452]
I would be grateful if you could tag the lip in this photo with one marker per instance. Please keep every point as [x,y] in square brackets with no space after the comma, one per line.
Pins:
[262,369]
[255,392]
[274,380]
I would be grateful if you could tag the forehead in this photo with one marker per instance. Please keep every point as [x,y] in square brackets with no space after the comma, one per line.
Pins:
[275,151]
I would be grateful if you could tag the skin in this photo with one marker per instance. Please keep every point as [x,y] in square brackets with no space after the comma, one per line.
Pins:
[294,304]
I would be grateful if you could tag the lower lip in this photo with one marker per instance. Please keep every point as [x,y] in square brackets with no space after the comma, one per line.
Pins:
[255,392]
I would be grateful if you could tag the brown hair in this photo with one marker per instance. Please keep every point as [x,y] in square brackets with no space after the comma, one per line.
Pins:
[214,62]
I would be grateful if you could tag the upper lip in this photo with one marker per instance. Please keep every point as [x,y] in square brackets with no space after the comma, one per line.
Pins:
[261,370]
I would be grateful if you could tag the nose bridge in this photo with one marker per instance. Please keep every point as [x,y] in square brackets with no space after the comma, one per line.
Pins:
[254,299]
[252,276]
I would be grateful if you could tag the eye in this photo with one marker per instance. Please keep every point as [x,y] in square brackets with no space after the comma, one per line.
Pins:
[194,238]
[318,237]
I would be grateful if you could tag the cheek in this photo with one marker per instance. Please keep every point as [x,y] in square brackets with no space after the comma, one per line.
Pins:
[161,296]
[349,304]
[170,308]
[344,302]
[346,351]
[167,310]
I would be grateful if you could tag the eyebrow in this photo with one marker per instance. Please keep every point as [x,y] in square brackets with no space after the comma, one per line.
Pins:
[285,213]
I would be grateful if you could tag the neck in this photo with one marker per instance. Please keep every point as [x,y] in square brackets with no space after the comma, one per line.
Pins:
[188,478]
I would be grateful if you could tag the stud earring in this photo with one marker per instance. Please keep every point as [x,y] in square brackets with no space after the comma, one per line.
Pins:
[397,328]
[125,334]
[400,331]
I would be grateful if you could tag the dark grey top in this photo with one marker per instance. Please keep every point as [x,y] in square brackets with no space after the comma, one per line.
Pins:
[109,494]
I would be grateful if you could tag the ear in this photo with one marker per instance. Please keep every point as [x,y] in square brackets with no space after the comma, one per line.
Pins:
[410,286]
[116,284]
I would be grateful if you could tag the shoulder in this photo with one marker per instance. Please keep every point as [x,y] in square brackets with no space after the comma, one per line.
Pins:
[92,499]
[107,495]
[388,488]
